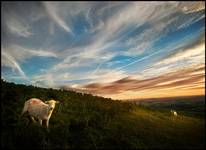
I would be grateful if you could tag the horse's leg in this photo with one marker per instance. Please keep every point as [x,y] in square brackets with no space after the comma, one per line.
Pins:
[40,121]
[32,118]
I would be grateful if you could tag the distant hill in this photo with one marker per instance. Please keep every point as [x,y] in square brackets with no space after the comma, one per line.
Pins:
[91,122]
[190,105]
[168,99]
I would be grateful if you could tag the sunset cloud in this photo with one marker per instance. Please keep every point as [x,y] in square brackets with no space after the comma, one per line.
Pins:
[181,79]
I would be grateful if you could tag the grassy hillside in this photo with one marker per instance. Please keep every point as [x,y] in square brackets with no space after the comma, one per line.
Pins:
[85,121]
[190,106]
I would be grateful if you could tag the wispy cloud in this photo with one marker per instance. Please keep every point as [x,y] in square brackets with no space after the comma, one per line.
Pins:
[112,29]
[53,10]
[17,26]
[194,55]
[45,80]
[190,7]
[9,61]
[183,58]
[13,55]
[21,53]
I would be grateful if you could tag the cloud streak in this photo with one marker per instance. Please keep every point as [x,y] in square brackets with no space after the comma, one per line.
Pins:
[167,81]
[52,8]
[18,27]
[21,54]
[15,54]
[9,61]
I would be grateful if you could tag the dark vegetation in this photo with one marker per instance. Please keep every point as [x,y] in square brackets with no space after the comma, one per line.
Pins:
[86,121]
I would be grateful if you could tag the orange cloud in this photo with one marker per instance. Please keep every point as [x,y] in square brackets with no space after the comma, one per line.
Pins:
[183,82]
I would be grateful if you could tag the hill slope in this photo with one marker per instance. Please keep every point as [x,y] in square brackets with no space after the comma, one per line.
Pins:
[85,121]
[190,106]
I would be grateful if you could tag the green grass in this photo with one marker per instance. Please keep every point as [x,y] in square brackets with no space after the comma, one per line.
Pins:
[85,121]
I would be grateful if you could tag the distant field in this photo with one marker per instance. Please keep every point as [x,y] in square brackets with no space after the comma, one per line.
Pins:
[192,106]
[90,122]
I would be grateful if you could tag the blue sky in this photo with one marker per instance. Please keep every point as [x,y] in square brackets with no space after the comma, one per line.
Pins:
[77,44]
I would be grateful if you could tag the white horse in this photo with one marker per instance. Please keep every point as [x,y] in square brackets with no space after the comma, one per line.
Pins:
[173,113]
[40,110]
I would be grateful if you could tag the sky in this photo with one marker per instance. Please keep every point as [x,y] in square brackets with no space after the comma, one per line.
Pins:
[120,50]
